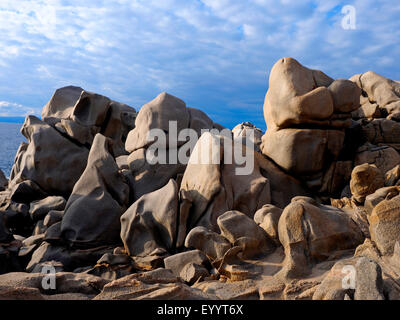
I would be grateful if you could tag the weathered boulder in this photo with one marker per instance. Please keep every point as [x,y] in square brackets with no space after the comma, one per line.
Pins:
[310,233]
[213,188]
[306,113]
[39,209]
[53,217]
[296,95]
[147,177]
[292,148]
[211,243]
[243,232]
[268,218]
[122,162]
[385,225]
[359,278]
[384,92]
[80,115]
[151,222]
[157,114]
[193,272]
[346,95]
[369,284]
[29,245]
[112,266]
[365,180]
[92,214]
[42,163]
[177,262]
[120,121]
[25,192]
[69,258]
[156,117]
[283,187]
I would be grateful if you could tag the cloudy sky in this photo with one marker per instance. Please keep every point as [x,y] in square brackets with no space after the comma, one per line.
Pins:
[213,54]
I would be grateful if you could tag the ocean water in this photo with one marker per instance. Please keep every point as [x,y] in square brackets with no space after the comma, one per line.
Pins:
[10,139]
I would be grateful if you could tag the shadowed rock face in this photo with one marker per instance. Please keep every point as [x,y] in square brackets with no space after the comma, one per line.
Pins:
[98,200]
[81,115]
[321,202]
[310,233]
[214,188]
[151,222]
[47,155]
[158,114]
[3,181]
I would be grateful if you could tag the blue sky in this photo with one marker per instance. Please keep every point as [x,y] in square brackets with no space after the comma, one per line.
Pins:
[213,54]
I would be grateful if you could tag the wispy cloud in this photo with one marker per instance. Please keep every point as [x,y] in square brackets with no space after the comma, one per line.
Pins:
[10,109]
[214,54]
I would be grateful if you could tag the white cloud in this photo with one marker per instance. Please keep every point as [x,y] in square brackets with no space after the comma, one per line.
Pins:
[211,53]
[10,109]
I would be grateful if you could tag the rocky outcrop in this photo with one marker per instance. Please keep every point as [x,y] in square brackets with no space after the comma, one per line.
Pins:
[357,278]
[80,115]
[241,231]
[310,233]
[99,198]
[149,226]
[159,284]
[211,243]
[268,219]
[30,285]
[48,154]
[307,113]
[39,209]
[383,92]
[385,225]
[156,117]
[308,210]
[211,187]
[365,180]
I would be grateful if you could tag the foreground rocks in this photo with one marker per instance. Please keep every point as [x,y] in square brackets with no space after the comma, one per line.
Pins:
[316,217]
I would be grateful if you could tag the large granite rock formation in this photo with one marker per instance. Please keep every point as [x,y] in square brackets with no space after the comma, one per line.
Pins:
[307,113]
[309,210]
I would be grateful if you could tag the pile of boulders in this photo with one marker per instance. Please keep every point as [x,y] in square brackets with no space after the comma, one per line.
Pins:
[320,206]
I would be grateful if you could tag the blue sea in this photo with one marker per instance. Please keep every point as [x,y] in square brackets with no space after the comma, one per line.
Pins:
[10,139]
